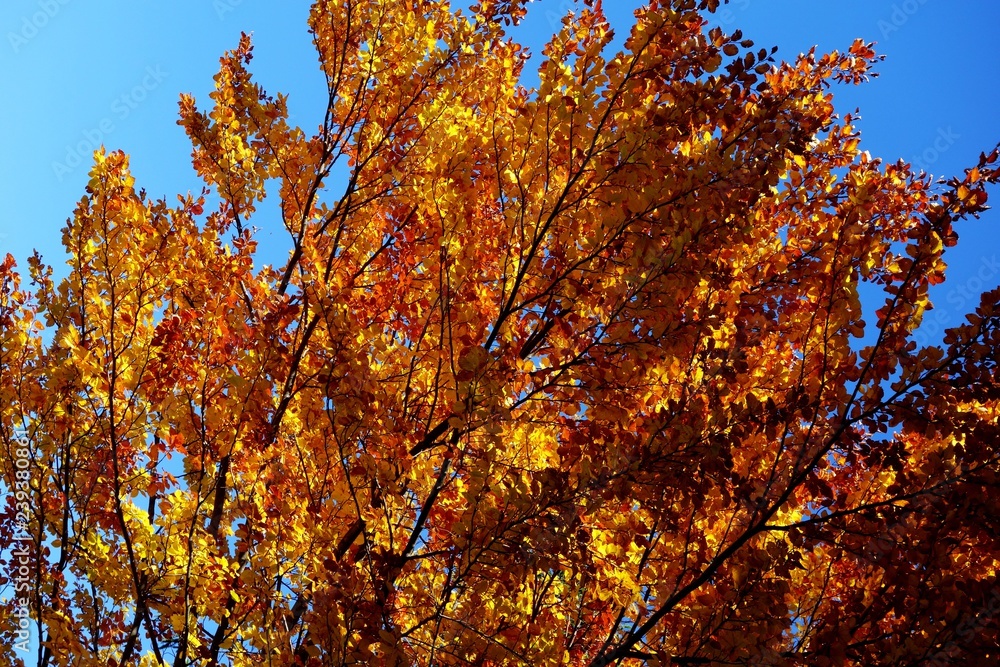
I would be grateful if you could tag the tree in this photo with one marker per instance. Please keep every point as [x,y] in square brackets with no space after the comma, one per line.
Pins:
[567,376]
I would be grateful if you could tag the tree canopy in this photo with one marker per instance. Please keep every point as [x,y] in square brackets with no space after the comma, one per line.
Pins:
[571,375]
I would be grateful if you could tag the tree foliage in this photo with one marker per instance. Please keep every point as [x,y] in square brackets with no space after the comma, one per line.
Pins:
[575,375]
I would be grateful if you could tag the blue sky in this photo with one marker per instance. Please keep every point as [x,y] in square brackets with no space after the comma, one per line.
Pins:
[77,73]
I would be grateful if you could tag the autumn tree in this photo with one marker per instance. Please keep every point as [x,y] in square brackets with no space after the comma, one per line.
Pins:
[571,375]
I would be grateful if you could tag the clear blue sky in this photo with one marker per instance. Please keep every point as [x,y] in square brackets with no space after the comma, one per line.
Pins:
[74,71]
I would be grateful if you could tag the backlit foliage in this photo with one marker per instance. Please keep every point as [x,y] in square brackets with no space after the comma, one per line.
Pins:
[575,375]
